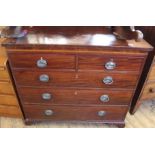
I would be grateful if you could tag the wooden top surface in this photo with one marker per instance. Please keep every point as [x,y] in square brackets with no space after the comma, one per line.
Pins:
[3,57]
[74,37]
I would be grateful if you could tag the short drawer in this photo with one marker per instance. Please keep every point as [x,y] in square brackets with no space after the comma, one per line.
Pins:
[41,61]
[63,96]
[6,88]
[4,76]
[8,100]
[73,79]
[113,62]
[148,92]
[71,113]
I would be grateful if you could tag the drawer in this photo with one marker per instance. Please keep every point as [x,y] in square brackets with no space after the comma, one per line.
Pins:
[10,111]
[4,76]
[8,100]
[73,79]
[113,62]
[3,60]
[63,96]
[41,61]
[6,88]
[65,113]
[148,92]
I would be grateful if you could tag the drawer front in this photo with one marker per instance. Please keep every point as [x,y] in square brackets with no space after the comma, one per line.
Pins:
[8,100]
[3,60]
[107,62]
[4,76]
[6,88]
[62,113]
[41,61]
[148,92]
[10,111]
[74,96]
[72,79]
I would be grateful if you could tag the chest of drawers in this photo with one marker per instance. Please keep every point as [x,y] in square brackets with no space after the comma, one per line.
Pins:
[8,101]
[148,89]
[81,77]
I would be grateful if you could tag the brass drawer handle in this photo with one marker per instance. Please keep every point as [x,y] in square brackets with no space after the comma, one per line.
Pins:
[101,113]
[108,80]
[46,96]
[41,63]
[110,65]
[104,98]
[151,90]
[44,78]
[48,112]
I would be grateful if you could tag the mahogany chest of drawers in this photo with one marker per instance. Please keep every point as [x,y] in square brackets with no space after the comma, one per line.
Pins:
[8,101]
[80,74]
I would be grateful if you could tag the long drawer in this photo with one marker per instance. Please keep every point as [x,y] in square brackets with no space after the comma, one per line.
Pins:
[8,100]
[52,61]
[61,96]
[64,113]
[6,88]
[73,79]
[115,62]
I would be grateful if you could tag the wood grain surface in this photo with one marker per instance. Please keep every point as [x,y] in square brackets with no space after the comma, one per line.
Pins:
[63,96]
[9,105]
[90,79]
[76,61]
[143,118]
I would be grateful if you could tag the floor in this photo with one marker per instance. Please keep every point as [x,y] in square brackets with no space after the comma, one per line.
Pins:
[143,118]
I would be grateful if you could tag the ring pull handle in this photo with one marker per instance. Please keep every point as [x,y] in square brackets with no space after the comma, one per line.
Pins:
[48,112]
[101,113]
[44,78]
[108,80]
[42,63]
[110,65]
[104,98]
[46,96]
